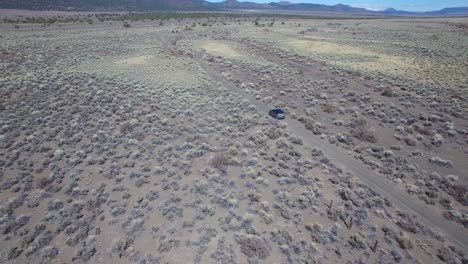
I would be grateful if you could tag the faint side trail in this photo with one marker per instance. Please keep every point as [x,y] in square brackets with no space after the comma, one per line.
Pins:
[454,232]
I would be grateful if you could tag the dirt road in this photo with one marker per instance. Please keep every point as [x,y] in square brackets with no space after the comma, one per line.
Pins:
[429,216]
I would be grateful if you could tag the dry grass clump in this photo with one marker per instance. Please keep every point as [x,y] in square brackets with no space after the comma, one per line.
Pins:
[220,161]
[388,92]
[329,108]
[441,162]
[42,182]
[253,247]
[311,125]
[422,130]
[362,132]
[460,193]
[404,240]
[126,128]
[92,204]
[120,248]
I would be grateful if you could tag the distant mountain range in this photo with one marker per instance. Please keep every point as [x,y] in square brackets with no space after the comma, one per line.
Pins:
[202,5]
[452,11]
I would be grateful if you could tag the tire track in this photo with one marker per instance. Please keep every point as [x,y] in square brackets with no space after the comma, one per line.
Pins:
[455,233]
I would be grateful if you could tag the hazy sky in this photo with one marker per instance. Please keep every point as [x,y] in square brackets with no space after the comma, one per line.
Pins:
[409,5]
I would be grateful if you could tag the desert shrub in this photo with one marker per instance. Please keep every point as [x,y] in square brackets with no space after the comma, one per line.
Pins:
[362,132]
[410,141]
[460,193]
[220,161]
[422,130]
[126,25]
[296,140]
[404,240]
[42,182]
[357,241]
[253,246]
[356,73]
[274,133]
[434,37]
[121,247]
[126,128]
[49,252]
[311,125]
[359,122]
[13,253]
[387,91]
[92,204]
[329,108]
[441,162]
[365,134]
[407,222]
[54,205]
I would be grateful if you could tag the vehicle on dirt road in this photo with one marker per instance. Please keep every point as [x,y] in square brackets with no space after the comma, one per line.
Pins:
[277,113]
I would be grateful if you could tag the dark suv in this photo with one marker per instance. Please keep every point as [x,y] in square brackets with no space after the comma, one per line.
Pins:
[277,113]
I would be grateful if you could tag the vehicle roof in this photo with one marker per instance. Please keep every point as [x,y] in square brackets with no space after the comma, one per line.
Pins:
[277,110]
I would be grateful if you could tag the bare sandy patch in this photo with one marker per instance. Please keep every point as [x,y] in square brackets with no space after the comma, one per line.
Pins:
[353,57]
[223,49]
[140,60]
[321,38]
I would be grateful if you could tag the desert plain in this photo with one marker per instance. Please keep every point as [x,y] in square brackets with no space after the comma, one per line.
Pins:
[145,138]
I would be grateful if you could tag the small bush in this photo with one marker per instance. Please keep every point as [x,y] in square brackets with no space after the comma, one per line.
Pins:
[362,132]
[422,130]
[42,182]
[434,37]
[126,25]
[13,253]
[92,204]
[441,162]
[220,161]
[460,193]
[404,240]
[120,248]
[253,247]
[387,91]
[357,241]
[356,73]
[329,108]
[126,128]
[360,122]
[312,126]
